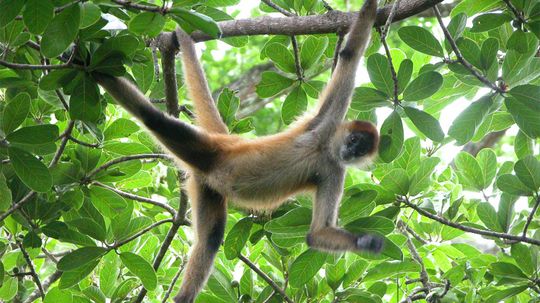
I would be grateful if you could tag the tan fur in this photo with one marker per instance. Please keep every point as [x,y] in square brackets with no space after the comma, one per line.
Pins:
[261,174]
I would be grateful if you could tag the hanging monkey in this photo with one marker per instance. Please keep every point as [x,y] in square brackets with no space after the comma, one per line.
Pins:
[262,173]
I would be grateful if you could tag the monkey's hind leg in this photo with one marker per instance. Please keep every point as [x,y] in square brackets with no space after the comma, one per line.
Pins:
[209,218]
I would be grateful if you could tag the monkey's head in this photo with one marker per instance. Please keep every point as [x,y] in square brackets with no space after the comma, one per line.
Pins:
[359,142]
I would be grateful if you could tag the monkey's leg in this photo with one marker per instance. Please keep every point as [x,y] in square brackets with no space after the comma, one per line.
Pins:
[324,234]
[209,217]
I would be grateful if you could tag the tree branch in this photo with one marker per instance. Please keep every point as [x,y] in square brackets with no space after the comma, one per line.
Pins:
[531,216]
[332,22]
[137,198]
[459,56]
[124,159]
[473,230]
[140,233]
[33,272]
[266,278]
[46,284]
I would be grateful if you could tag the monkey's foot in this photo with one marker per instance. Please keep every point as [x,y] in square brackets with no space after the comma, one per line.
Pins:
[181,298]
[370,242]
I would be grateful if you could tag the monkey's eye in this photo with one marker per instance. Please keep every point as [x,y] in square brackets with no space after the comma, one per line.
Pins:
[353,139]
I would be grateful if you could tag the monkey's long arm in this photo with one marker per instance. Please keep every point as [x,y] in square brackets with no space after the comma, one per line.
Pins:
[183,140]
[336,97]
[206,113]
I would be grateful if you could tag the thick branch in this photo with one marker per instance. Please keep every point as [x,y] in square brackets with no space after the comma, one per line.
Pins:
[332,22]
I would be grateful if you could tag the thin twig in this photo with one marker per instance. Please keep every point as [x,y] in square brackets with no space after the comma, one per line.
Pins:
[137,198]
[33,272]
[460,57]
[46,284]
[531,216]
[140,233]
[278,8]
[517,14]
[63,143]
[265,277]
[23,66]
[119,160]
[174,280]
[327,6]
[412,232]
[91,145]
[391,65]
[296,53]
[141,7]
[473,230]
[337,50]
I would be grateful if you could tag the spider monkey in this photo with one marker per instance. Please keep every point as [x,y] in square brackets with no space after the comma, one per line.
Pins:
[261,173]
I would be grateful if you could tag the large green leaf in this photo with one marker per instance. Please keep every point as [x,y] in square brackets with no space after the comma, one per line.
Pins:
[61,31]
[428,125]
[421,179]
[147,23]
[237,238]
[423,87]
[500,295]
[389,269]
[467,123]
[367,98]
[196,20]
[528,172]
[37,134]
[421,40]
[392,135]
[37,14]
[30,170]
[305,267]
[282,57]
[372,224]
[9,9]
[84,102]
[15,112]
[488,164]
[141,268]
[294,106]
[312,50]
[524,107]
[396,181]
[512,185]
[80,257]
[379,73]
[272,84]
[469,171]
[487,214]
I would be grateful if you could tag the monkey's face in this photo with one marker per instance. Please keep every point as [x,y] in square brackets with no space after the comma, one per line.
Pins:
[360,143]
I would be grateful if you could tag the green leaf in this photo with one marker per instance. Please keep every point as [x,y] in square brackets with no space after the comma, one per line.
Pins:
[15,112]
[196,20]
[523,145]
[56,295]
[372,224]
[9,289]
[469,171]
[295,104]
[30,170]
[424,86]
[73,277]
[507,270]
[89,227]
[379,73]
[61,32]
[90,14]
[500,295]
[37,14]
[488,53]
[120,128]
[421,180]
[84,102]
[421,39]
[467,123]
[469,50]
[228,105]
[391,136]
[108,273]
[107,202]
[312,50]
[291,228]
[37,134]
[147,23]
[305,267]
[523,257]
[281,56]
[5,198]
[524,107]
[389,269]
[141,268]
[489,21]
[237,238]
[272,84]
[488,163]
[488,216]
[528,172]
[80,257]
[523,43]
[9,9]
[428,125]
[396,181]
[404,74]
[512,185]
[367,98]
[220,286]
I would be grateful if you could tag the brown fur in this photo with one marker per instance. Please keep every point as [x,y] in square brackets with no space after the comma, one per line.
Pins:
[261,174]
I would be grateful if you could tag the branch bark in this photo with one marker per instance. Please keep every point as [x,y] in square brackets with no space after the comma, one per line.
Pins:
[332,22]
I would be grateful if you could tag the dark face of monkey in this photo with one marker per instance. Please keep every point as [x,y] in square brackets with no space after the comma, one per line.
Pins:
[357,145]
